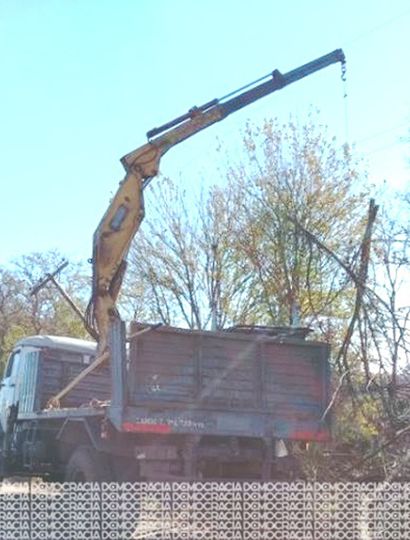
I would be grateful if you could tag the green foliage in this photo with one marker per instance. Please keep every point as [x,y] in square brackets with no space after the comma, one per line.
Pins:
[295,177]
[360,424]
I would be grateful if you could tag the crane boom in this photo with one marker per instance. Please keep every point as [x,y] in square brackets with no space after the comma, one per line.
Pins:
[123,217]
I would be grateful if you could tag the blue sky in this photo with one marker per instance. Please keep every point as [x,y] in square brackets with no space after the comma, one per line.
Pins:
[82,82]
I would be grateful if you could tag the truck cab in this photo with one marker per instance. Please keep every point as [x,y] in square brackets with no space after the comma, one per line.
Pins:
[21,377]
[8,386]
[36,369]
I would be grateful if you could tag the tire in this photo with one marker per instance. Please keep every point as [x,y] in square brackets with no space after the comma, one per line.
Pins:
[125,470]
[88,465]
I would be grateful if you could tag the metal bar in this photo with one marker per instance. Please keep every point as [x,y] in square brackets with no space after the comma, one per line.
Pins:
[55,400]
[118,360]
[74,306]
[279,81]
[69,412]
[156,131]
[276,82]
[143,331]
[48,277]
[260,377]
[51,278]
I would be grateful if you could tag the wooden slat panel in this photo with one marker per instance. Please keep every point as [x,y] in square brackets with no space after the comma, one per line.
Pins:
[55,374]
[163,368]
[229,371]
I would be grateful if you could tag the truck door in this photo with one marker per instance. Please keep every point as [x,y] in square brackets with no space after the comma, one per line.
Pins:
[8,394]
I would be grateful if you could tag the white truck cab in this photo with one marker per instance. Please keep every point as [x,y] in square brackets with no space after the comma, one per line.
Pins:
[22,366]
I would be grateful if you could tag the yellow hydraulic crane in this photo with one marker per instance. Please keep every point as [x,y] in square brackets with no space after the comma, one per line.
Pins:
[125,213]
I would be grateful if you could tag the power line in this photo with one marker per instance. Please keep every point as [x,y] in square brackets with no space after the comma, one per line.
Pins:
[383,132]
[347,45]
[377,28]
[380,148]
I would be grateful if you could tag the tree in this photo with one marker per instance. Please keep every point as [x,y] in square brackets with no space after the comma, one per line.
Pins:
[385,338]
[23,314]
[372,410]
[185,267]
[296,177]
[12,309]
[239,256]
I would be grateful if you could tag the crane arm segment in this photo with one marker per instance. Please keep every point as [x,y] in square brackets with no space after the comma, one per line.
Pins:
[123,217]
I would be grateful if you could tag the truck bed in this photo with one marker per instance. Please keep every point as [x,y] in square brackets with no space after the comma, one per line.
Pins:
[214,382]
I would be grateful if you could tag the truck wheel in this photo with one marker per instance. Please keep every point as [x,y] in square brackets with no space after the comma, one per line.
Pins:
[125,470]
[87,465]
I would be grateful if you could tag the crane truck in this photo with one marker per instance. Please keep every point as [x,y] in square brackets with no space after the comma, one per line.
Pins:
[162,402]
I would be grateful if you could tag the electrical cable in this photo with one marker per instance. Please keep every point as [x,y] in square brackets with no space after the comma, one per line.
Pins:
[375,29]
